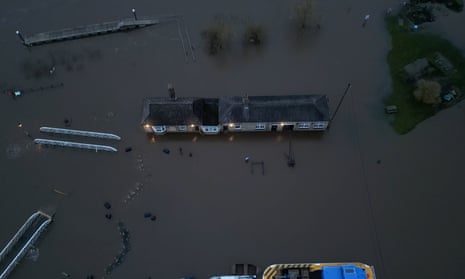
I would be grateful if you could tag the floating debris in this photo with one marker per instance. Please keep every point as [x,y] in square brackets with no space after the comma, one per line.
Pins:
[147,215]
[68,122]
[60,192]
[134,192]
[166,151]
[107,205]
[119,258]
[128,149]
[153,218]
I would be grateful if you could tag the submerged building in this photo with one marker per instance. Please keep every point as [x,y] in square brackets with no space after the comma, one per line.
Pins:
[211,116]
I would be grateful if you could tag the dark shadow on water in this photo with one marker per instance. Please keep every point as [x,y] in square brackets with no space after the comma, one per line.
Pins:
[301,38]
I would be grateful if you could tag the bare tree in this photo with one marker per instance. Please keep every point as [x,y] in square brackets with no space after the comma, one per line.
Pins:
[428,92]
[216,36]
[303,11]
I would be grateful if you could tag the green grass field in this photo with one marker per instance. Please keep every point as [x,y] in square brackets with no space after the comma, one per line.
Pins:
[408,46]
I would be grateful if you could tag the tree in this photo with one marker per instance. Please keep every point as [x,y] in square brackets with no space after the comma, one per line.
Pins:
[216,36]
[303,10]
[428,92]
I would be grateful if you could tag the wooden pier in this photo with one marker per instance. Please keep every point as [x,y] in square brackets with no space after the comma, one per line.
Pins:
[72,144]
[87,31]
[81,133]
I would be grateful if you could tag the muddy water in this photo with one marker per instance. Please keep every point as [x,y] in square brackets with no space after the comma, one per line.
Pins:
[338,204]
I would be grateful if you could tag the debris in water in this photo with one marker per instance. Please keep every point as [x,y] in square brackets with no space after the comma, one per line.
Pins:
[147,215]
[128,149]
[153,218]
[107,205]
[60,192]
[166,151]
[108,216]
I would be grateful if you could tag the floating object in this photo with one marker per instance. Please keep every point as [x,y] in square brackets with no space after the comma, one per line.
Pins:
[247,159]
[108,216]
[128,149]
[67,122]
[65,274]
[166,151]
[190,154]
[60,192]
[448,97]
[20,125]
[79,133]
[107,205]
[153,218]
[80,145]
[17,93]
[147,215]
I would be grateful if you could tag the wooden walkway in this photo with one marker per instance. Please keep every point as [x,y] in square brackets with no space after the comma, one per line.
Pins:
[87,30]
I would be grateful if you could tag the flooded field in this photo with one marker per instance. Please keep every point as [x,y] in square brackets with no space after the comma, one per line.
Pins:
[359,192]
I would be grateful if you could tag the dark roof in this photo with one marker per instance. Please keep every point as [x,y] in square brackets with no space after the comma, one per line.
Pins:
[182,111]
[273,108]
[212,111]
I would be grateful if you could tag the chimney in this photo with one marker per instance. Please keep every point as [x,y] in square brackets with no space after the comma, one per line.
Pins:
[171,92]
[245,102]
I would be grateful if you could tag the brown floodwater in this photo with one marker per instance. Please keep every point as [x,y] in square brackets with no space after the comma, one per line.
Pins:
[403,214]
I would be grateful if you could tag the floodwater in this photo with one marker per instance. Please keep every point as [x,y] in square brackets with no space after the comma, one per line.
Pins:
[403,214]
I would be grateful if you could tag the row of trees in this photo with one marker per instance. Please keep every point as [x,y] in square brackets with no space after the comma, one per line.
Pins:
[218,34]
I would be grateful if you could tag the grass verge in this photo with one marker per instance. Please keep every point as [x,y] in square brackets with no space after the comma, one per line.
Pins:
[408,46]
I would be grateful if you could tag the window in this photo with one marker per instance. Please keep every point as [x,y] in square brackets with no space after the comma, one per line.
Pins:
[349,270]
[318,125]
[159,129]
[303,125]
[237,126]
[182,128]
[260,126]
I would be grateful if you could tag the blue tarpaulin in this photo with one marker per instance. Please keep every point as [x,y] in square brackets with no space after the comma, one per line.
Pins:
[344,272]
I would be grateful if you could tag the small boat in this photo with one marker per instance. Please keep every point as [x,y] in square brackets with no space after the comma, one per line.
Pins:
[348,270]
